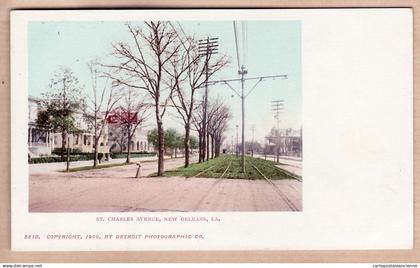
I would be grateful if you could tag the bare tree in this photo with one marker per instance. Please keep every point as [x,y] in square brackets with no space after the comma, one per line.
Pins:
[197,119]
[219,126]
[129,115]
[141,66]
[187,74]
[100,105]
[219,114]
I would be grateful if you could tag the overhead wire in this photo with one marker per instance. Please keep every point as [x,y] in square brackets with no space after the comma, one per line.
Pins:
[236,43]
[182,30]
[245,42]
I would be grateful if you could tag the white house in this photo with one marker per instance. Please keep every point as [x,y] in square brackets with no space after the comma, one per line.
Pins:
[42,142]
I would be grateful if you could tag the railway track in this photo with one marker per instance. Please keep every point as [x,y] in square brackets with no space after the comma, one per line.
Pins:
[288,173]
[199,203]
[209,168]
[277,190]
[224,172]
[203,171]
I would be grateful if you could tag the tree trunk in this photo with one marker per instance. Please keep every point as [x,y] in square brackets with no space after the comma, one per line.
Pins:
[208,146]
[212,147]
[95,153]
[187,146]
[161,145]
[63,144]
[217,145]
[216,149]
[200,147]
[128,149]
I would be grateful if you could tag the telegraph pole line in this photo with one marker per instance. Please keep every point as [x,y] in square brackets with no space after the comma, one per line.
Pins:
[206,48]
[277,107]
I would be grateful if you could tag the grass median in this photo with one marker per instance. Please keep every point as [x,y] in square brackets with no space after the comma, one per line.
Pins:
[229,167]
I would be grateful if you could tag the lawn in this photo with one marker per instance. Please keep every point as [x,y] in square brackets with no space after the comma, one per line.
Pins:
[228,166]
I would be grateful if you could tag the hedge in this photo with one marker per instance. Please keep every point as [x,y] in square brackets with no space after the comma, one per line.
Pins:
[57,151]
[52,159]
[84,156]
[136,154]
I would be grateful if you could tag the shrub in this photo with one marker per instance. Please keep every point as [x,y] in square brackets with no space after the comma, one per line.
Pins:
[57,151]
[53,159]
[135,154]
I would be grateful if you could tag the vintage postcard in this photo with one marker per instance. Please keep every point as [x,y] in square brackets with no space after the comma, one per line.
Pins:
[212,130]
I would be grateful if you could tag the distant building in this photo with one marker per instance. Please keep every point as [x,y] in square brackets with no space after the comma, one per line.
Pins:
[118,136]
[287,141]
[139,142]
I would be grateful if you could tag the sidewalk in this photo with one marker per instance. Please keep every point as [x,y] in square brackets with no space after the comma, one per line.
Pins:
[57,166]
[272,156]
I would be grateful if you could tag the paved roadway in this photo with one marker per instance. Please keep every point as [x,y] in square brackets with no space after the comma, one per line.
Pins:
[116,190]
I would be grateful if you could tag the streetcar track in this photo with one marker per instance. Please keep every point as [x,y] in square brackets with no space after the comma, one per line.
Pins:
[201,200]
[226,169]
[291,174]
[201,172]
[277,190]
[213,185]
[286,172]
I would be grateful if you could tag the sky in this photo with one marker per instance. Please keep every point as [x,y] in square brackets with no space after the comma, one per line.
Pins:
[265,48]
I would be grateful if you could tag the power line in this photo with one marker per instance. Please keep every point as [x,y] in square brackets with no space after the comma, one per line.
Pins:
[236,43]
[242,72]
[242,94]
[244,42]
[182,30]
[214,82]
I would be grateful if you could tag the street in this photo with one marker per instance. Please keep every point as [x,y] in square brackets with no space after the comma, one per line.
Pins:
[116,190]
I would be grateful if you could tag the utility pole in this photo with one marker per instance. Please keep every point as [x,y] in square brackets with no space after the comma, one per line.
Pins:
[231,148]
[243,96]
[243,72]
[206,48]
[252,143]
[277,107]
[237,141]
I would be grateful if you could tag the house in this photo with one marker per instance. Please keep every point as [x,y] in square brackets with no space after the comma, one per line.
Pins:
[40,140]
[118,134]
[43,142]
[287,141]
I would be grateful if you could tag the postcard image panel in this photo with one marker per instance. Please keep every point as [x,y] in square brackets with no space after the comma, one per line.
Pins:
[248,129]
